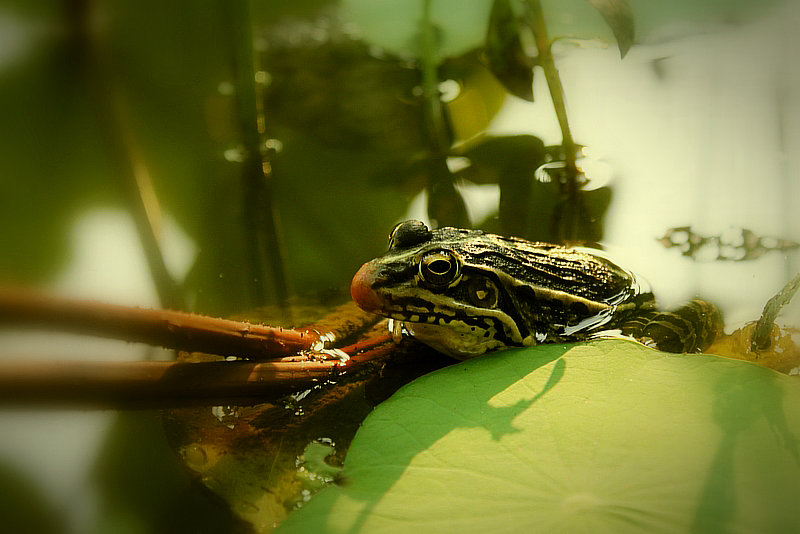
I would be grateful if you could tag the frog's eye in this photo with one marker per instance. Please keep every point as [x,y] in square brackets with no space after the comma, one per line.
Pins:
[483,293]
[439,268]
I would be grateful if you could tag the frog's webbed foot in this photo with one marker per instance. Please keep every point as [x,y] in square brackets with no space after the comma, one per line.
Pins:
[689,328]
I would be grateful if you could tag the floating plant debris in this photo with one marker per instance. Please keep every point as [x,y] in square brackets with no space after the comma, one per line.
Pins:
[736,244]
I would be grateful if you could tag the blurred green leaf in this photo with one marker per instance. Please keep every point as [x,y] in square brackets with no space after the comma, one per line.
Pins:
[394,24]
[334,215]
[144,488]
[619,16]
[176,85]
[48,171]
[23,507]
[461,26]
[510,162]
[574,438]
[494,156]
[327,84]
[345,93]
[655,16]
[579,20]
[504,51]
[446,206]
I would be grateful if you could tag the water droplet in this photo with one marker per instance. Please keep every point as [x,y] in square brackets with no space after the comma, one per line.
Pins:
[263,78]
[457,163]
[226,88]
[449,90]
[235,155]
[194,455]
[274,145]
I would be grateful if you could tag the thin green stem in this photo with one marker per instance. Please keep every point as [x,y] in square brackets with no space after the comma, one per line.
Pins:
[761,335]
[430,85]
[544,44]
[135,181]
[445,205]
[260,213]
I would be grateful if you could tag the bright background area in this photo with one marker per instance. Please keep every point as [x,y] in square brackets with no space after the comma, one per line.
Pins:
[701,129]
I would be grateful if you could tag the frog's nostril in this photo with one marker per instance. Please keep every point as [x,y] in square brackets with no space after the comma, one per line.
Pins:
[361,289]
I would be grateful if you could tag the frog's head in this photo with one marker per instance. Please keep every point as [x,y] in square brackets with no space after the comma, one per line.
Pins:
[465,292]
[427,281]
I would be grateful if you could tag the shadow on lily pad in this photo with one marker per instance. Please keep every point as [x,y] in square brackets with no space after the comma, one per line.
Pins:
[606,436]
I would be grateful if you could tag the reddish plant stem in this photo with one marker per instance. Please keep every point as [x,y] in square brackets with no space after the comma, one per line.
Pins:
[139,385]
[165,328]
[367,344]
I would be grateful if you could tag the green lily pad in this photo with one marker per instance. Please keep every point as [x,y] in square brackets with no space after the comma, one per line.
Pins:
[606,436]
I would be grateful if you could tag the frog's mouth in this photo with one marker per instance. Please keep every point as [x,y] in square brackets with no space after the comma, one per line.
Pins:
[362,290]
[456,329]
[367,293]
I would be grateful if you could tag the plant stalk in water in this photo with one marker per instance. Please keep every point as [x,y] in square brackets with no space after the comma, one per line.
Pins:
[260,213]
[430,86]
[134,177]
[762,334]
[538,24]
[445,204]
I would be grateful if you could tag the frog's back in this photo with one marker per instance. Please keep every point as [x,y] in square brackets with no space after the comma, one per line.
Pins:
[466,292]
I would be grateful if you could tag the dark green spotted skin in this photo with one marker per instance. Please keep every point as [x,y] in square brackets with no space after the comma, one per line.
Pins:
[466,292]
[690,328]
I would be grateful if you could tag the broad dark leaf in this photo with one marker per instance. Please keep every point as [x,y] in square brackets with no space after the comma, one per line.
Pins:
[619,16]
[446,206]
[337,92]
[581,221]
[510,162]
[24,507]
[504,52]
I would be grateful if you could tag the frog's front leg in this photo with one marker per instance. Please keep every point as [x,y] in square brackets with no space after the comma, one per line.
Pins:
[689,328]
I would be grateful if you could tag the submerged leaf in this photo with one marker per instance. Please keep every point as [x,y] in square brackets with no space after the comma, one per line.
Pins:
[510,162]
[505,54]
[394,24]
[608,436]
[782,354]
[446,206]
[619,16]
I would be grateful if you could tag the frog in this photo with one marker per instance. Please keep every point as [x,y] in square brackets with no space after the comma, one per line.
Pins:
[468,292]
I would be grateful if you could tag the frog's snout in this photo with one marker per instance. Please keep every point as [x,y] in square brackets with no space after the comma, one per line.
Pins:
[361,288]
